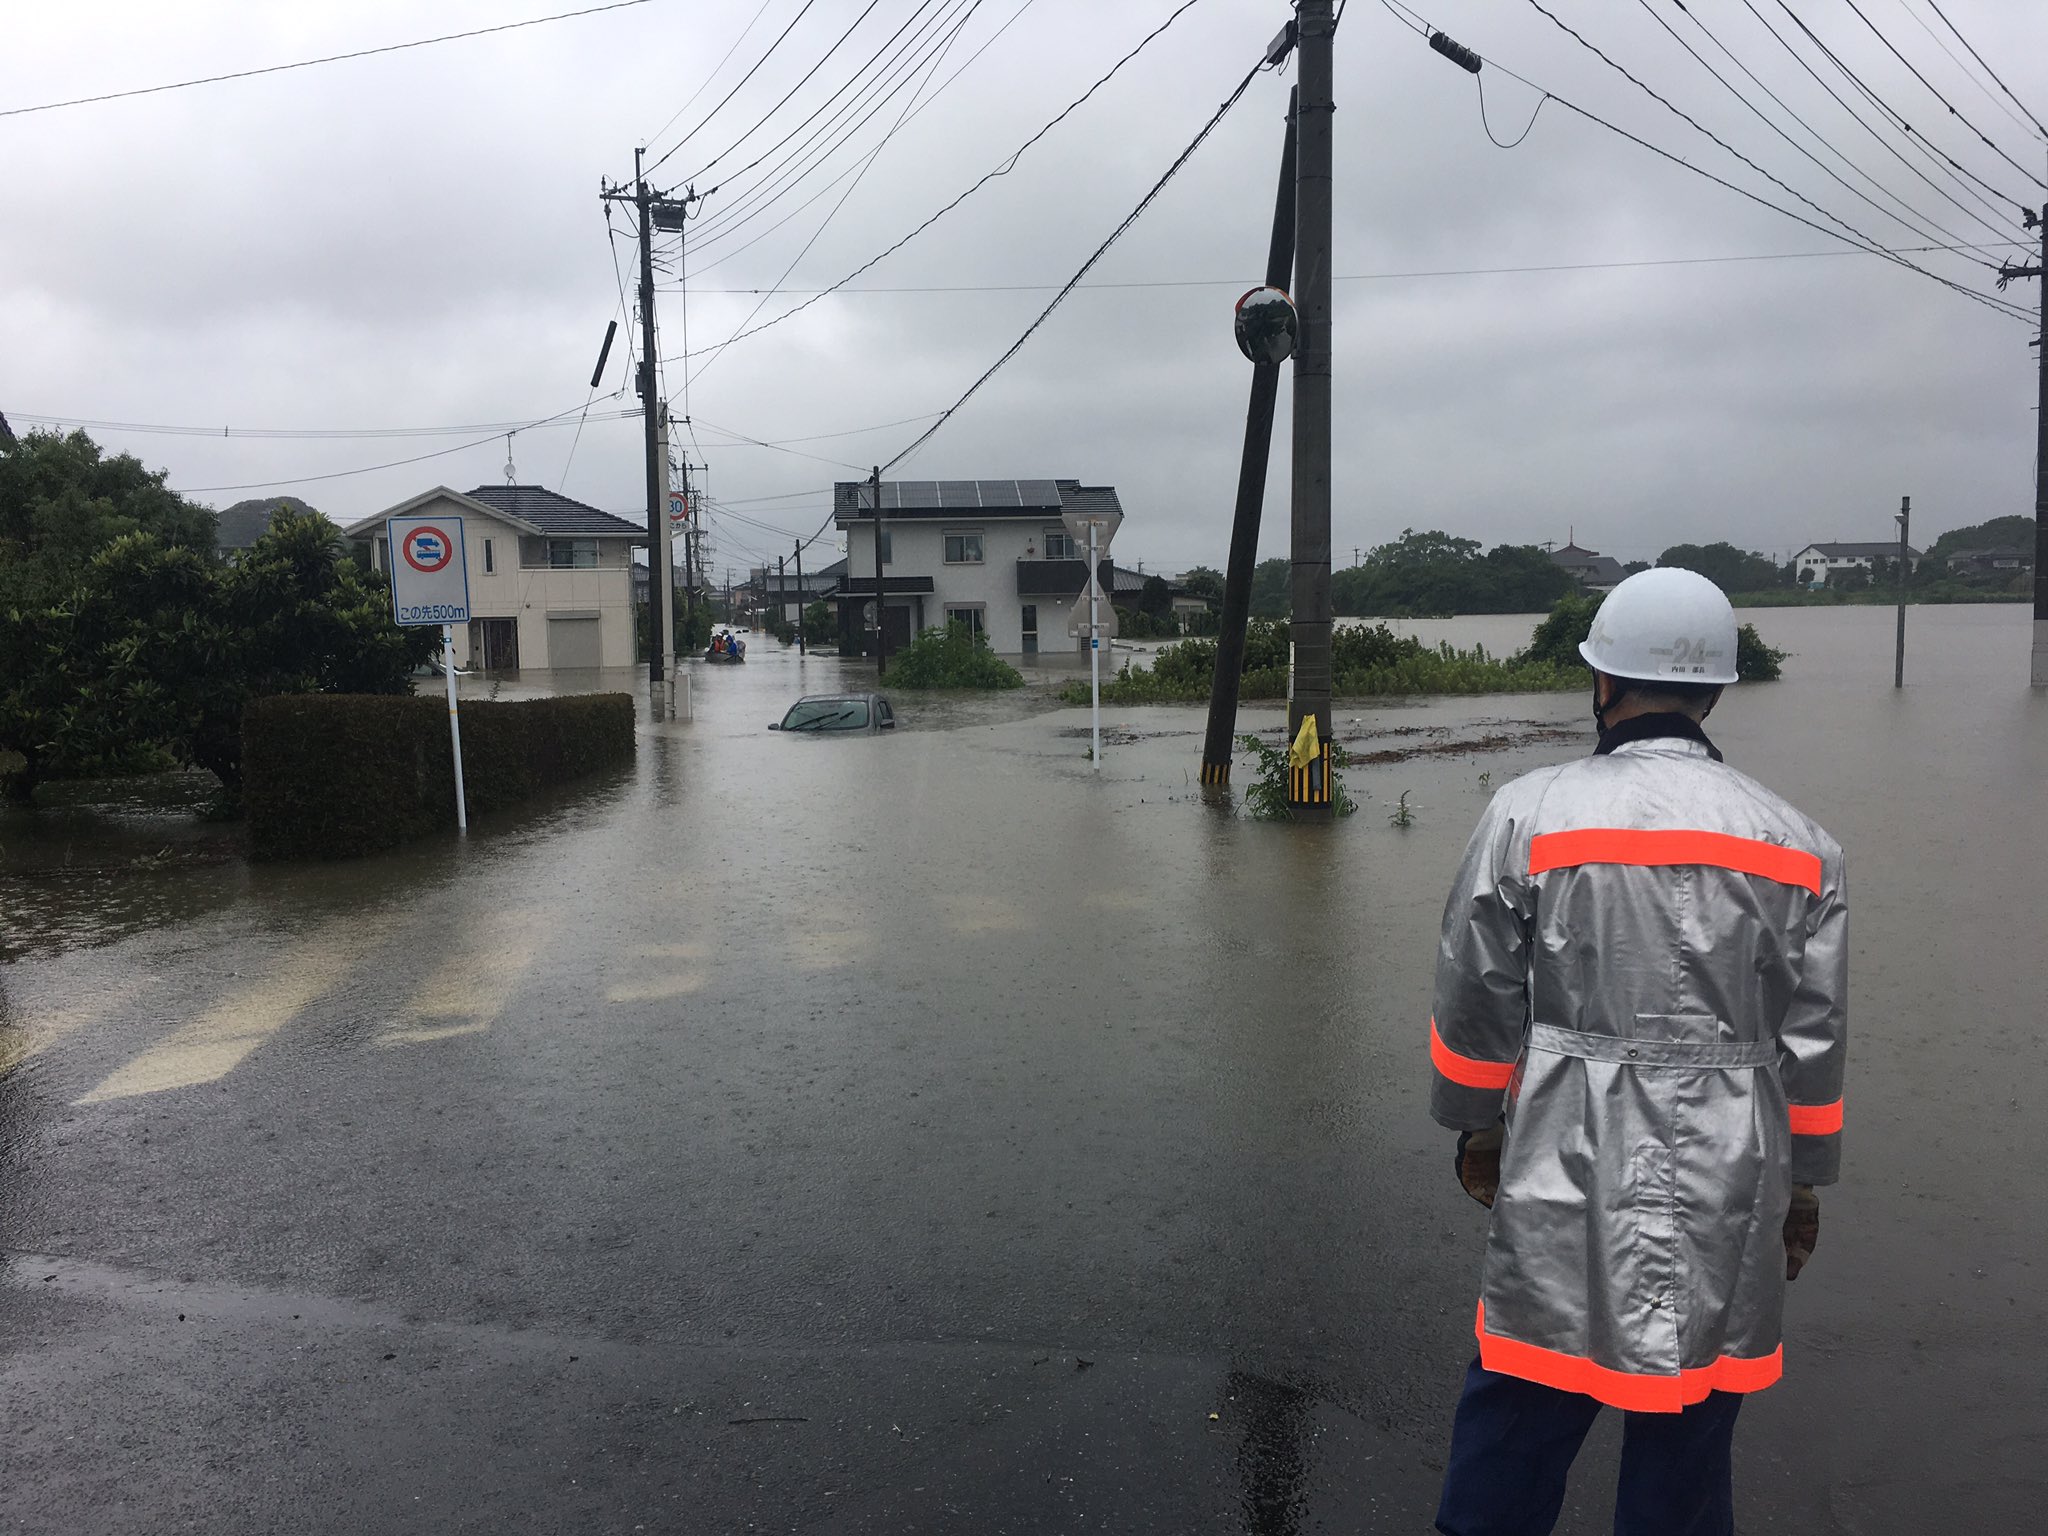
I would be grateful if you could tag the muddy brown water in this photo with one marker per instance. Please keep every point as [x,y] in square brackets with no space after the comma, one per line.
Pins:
[862,1082]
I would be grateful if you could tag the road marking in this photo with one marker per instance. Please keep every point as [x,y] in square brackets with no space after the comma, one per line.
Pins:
[978,912]
[219,1040]
[42,1028]
[469,989]
[659,989]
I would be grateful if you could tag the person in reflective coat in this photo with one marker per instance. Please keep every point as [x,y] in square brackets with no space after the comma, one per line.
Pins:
[1639,1029]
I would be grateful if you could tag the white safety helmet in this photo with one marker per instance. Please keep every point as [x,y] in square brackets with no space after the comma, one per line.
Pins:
[1664,626]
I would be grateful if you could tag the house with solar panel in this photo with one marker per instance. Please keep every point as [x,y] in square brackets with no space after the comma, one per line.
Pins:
[550,579]
[992,555]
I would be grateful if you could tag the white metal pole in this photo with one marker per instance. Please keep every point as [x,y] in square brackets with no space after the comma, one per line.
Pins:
[454,725]
[1094,652]
[661,583]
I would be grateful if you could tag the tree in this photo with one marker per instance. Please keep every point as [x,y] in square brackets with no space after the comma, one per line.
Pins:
[821,625]
[1729,568]
[149,653]
[62,501]
[1155,600]
[1202,582]
[2015,532]
[1272,593]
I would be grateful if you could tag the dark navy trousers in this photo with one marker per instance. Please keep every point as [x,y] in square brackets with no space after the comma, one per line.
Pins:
[1513,1442]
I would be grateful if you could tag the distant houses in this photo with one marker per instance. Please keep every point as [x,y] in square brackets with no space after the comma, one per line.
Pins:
[1593,571]
[1814,564]
[2000,560]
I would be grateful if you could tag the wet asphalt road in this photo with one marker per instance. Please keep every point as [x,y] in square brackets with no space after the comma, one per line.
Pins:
[917,1133]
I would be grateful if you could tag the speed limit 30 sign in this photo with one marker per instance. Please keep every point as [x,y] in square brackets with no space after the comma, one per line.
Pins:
[429,570]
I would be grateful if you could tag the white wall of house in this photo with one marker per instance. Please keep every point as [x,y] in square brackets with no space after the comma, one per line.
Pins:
[1811,559]
[511,580]
[986,585]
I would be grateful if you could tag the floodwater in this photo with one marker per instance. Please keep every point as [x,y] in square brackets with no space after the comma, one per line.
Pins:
[933,1132]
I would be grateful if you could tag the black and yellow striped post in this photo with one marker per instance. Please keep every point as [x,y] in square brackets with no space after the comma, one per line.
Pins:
[1311,785]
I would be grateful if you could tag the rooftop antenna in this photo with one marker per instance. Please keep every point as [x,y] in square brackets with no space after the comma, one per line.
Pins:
[511,475]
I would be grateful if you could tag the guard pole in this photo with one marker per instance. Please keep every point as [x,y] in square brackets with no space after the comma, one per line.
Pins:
[881,607]
[1899,654]
[1094,651]
[661,591]
[2040,667]
[800,604]
[454,725]
[1251,495]
[1311,499]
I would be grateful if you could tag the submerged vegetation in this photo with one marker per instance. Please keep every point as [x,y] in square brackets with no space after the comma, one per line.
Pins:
[953,657]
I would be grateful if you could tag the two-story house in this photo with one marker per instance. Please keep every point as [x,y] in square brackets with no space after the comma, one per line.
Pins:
[550,579]
[1814,564]
[993,555]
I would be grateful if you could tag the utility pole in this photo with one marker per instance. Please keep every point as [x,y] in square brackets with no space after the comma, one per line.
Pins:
[652,212]
[781,588]
[881,619]
[1899,655]
[1308,794]
[801,605]
[2007,274]
[1251,496]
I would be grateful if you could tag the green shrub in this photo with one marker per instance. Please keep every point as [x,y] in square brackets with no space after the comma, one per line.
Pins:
[1556,643]
[953,657]
[339,775]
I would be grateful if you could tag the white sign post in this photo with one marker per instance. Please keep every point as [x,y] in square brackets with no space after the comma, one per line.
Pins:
[1100,526]
[430,585]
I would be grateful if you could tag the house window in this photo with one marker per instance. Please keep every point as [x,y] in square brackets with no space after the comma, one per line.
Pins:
[572,554]
[963,549]
[490,558]
[1059,545]
[972,619]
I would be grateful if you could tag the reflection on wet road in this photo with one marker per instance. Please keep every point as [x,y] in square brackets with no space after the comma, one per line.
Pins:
[928,1133]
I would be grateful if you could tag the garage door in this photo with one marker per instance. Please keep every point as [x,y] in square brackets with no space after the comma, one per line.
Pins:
[574,642]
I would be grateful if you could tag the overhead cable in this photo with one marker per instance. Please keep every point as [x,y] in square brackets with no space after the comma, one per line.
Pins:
[1953,112]
[745,33]
[1009,164]
[2028,123]
[1087,266]
[937,60]
[1938,232]
[728,96]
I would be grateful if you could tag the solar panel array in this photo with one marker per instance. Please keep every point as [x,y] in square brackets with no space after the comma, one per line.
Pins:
[913,497]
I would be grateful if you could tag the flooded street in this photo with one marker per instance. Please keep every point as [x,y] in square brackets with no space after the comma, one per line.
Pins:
[929,1132]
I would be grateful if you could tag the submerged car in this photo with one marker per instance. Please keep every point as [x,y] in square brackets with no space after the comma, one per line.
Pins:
[838,712]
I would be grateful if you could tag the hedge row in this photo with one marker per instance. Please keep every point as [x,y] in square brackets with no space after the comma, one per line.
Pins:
[337,775]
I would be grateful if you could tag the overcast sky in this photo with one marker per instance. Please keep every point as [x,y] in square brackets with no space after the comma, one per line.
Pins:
[415,240]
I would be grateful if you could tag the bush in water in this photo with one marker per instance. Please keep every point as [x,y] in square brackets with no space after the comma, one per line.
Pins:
[953,657]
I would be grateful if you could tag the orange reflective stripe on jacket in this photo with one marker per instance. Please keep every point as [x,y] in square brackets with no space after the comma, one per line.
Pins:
[1467,1070]
[1629,845]
[1816,1119]
[1626,1390]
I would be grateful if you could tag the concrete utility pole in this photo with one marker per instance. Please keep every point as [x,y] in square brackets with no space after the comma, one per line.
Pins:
[881,615]
[801,605]
[1251,496]
[1308,794]
[1899,656]
[652,212]
[2007,274]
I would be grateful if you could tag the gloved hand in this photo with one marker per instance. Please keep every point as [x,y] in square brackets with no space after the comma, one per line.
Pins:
[1802,1229]
[1478,1162]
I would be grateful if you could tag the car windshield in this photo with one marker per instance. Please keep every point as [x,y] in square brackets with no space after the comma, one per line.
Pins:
[827,715]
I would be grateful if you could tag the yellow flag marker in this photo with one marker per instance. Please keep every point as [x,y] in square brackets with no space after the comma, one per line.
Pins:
[1307,746]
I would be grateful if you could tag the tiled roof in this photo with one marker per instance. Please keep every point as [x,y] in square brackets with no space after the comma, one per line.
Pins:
[554,514]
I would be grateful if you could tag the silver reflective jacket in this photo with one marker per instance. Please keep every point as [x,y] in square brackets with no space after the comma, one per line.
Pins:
[1645,967]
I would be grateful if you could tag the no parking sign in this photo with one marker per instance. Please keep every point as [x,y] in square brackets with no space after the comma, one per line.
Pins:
[429,570]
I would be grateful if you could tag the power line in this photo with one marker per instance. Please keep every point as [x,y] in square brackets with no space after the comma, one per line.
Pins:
[1982,136]
[1100,251]
[332,58]
[1938,230]
[1008,165]
[728,96]
[1892,114]
[875,90]
[1858,236]
[342,474]
[745,32]
[851,81]
[1878,137]
[938,59]
[993,38]
[161,429]
[1964,70]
